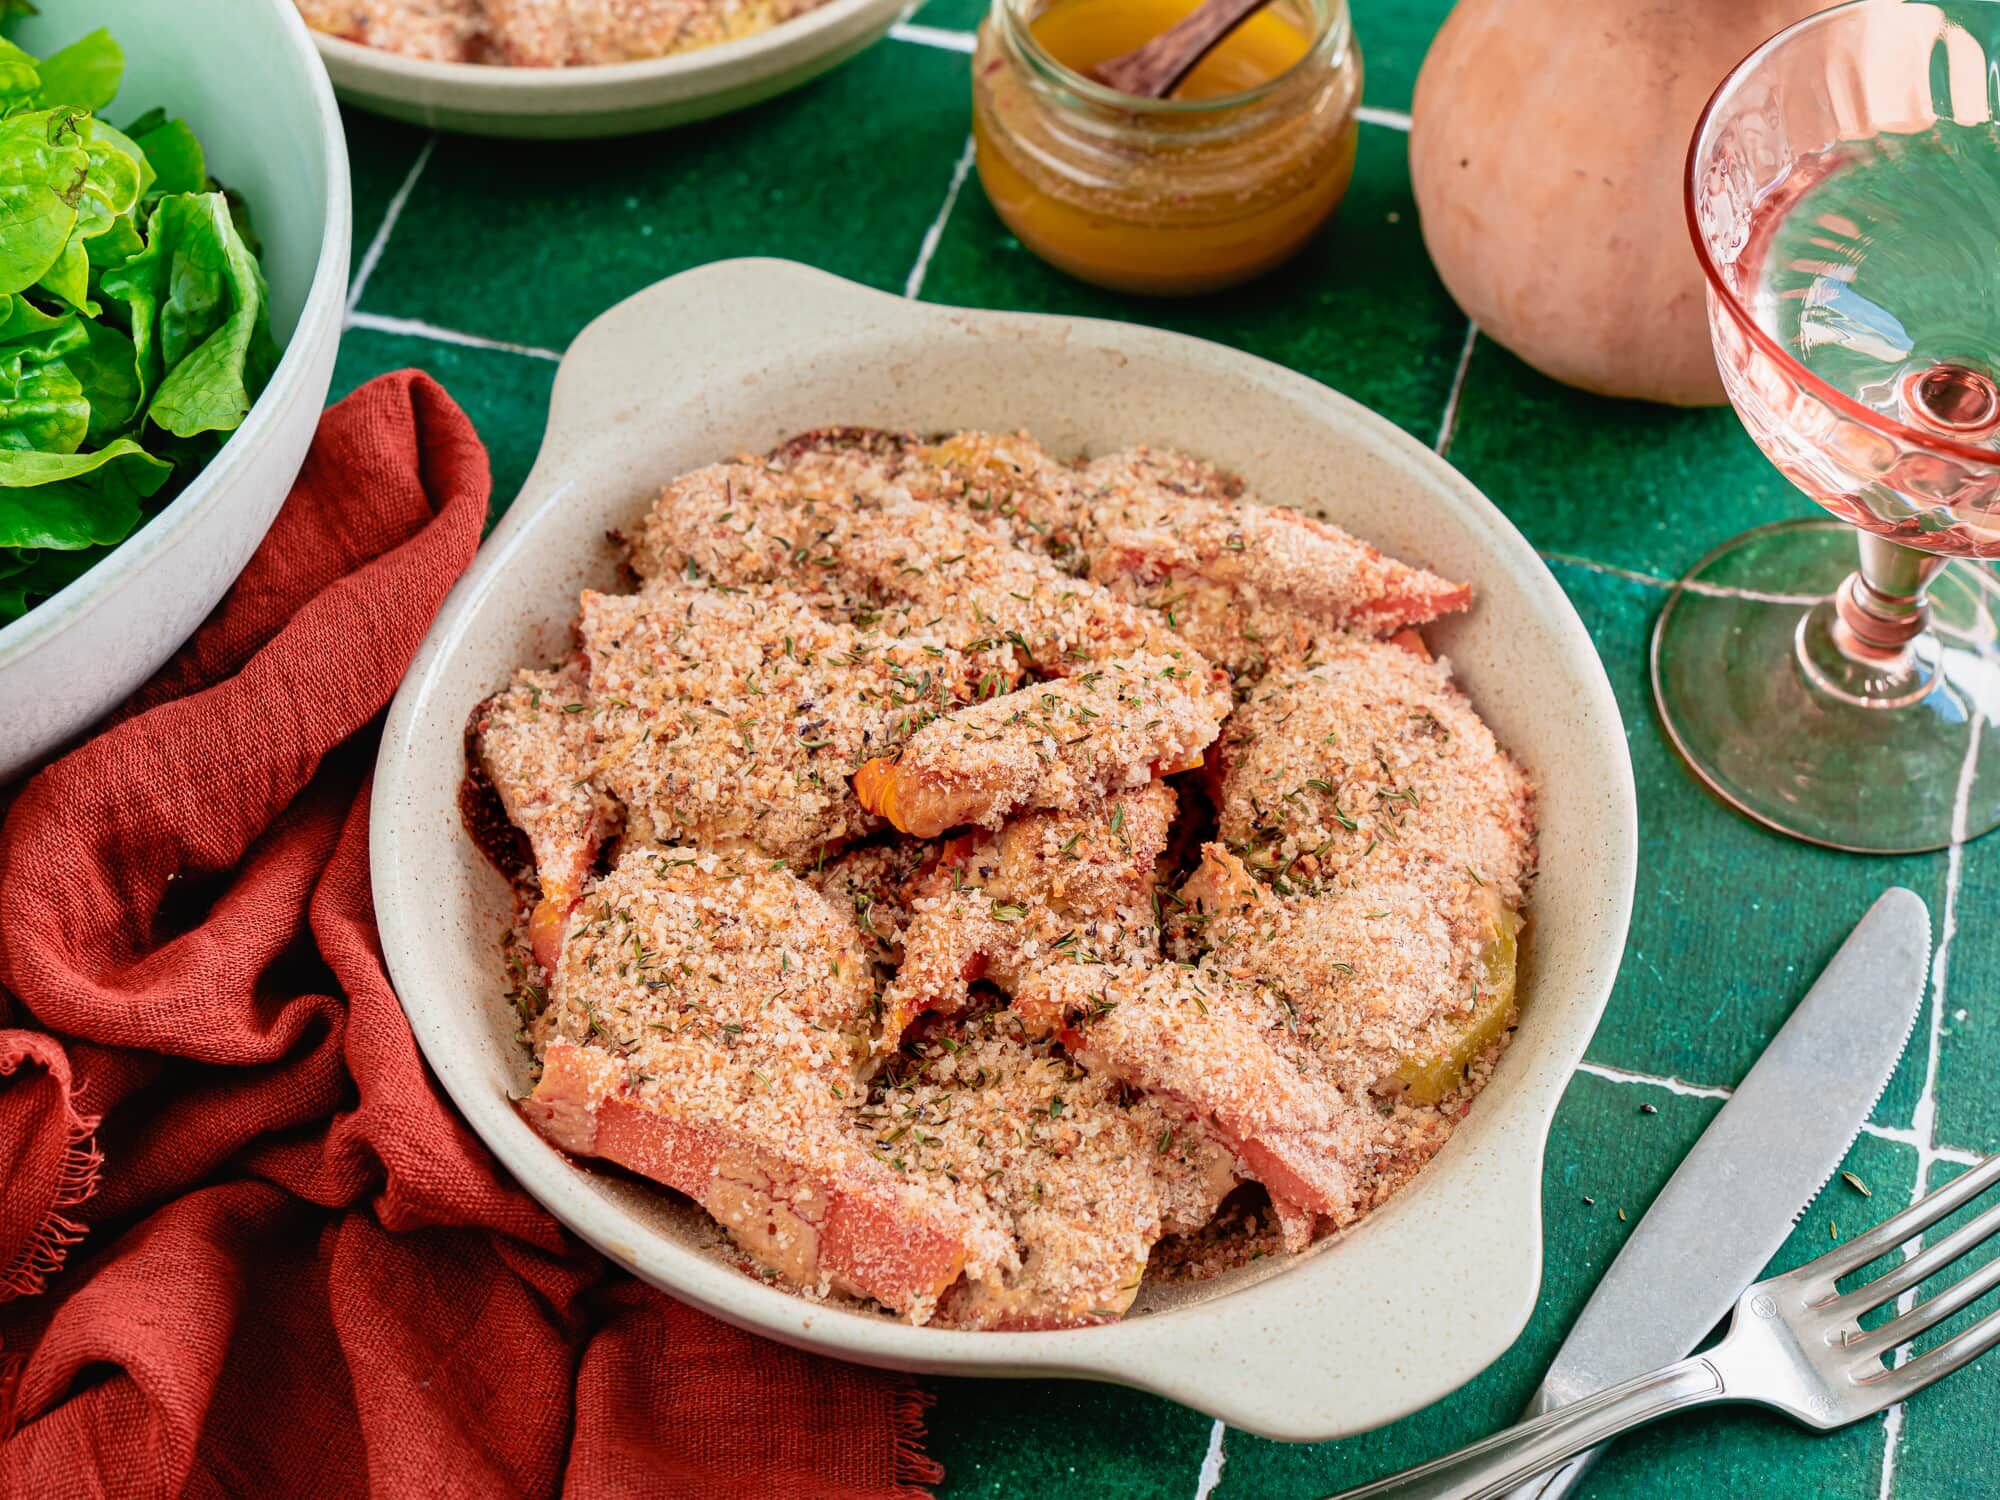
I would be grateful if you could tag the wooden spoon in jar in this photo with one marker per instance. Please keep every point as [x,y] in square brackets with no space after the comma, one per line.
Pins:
[1154,70]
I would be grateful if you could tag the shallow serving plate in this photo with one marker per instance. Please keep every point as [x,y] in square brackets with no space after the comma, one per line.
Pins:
[612,98]
[735,356]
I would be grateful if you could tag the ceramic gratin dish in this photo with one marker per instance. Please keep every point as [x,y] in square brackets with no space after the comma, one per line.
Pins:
[609,98]
[733,357]
[243,74]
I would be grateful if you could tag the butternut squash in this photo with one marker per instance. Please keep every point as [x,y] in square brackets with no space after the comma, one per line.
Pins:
[1547,150]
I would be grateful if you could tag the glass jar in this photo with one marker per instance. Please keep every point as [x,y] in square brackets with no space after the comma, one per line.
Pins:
[1167,196]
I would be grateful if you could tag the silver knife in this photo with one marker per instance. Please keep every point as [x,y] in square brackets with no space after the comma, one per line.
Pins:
[1759,1165]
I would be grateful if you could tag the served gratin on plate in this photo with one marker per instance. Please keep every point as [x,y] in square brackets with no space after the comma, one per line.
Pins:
[981,880]
[545,33]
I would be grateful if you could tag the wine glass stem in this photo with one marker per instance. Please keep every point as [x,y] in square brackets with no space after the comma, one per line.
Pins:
[1881,606]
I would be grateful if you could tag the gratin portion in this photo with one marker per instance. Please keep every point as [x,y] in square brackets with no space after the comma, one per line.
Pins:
[546,33]
[1086,1174]
[706,1025]
[1247,585]
[959,870]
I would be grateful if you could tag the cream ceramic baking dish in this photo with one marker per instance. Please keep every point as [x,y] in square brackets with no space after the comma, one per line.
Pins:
[1364,1327]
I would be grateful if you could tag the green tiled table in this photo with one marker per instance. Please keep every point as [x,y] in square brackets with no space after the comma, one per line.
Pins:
[479,261]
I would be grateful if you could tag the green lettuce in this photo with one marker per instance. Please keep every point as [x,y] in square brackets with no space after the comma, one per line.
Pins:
[196,304]
[135,329]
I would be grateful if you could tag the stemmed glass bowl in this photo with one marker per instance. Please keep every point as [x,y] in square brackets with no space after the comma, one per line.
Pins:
[1843,191]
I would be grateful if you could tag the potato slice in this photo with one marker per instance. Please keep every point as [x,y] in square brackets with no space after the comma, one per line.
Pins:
[1430,1078]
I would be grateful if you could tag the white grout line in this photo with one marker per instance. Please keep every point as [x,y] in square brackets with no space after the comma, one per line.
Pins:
[1757,596]
[1902,1135]
[415,329]
[1655,581]
[1923,1120]
[373,254]
[1590,565]
[914,285]
[1957,1156]
[1211,1463]
[1392,119]
[1448,422]
[933,36]
[1653,1080]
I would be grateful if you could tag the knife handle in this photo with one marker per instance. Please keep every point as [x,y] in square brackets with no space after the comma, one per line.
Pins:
[1509,1458]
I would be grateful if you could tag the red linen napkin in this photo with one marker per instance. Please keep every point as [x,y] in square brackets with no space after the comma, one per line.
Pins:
[245,1245]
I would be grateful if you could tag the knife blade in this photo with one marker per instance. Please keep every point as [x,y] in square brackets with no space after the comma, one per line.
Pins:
[1763,1159]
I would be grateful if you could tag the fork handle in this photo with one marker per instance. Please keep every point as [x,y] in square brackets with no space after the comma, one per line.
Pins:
[1508,1458]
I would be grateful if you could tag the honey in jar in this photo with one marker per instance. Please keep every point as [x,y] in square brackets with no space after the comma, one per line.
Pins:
[1220,181]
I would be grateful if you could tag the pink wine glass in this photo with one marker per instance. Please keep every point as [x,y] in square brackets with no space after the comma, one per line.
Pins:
[1843,191]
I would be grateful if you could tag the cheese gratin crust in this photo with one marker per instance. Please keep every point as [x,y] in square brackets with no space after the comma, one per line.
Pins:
[959,870]
[546,33]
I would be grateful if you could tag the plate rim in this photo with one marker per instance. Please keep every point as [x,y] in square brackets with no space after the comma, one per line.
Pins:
[587,88]
[1148,1352]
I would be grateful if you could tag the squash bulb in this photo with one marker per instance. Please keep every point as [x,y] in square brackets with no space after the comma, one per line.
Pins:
[1547,150]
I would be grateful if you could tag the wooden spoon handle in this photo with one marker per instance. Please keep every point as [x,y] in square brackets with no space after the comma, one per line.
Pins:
[1153,70]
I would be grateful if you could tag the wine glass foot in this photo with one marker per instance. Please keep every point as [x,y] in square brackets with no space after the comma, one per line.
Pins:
[1881,757]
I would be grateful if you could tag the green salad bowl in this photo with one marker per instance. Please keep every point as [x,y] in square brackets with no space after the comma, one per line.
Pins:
[245,76]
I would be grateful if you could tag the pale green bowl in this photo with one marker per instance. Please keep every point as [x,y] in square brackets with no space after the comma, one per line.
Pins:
[245,75]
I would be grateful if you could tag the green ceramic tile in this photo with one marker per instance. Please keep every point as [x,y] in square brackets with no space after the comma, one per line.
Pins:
[952,15]
[1952,1430]
[585,223]
[506,395]
[1068,1438]
[380,154]
[1394,35]
[1731,923]
[1739,1451]
[1645,487]
[1969,1054]
[1605,1155]
[1360,309]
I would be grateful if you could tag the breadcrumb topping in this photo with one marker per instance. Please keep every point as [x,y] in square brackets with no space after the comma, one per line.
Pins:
[1370,760]
[1048,888]
[545,33]
[1086,1174]
[718,715]
[1246,584]
[1123,696]
[977,1080]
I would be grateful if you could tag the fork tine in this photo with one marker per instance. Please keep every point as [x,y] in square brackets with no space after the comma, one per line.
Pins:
[1918,1268]
[1906,1225]
[1935,1364]
[1901,1329]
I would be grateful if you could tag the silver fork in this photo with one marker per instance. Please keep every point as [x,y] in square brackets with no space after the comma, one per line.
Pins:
[1795,1343]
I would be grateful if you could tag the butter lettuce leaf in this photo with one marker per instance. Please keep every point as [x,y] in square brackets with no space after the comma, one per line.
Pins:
[199,313]
[114,175]
[84,75]
[20,73]
[66,501]
[134,319]
[44,163]
[174,153]
[42,403]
